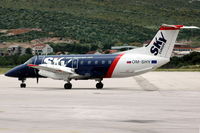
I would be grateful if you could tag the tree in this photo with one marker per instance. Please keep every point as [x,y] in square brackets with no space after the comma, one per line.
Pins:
[28,51]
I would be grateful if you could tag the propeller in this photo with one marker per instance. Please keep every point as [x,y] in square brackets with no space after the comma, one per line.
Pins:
[37,78]
[36,71]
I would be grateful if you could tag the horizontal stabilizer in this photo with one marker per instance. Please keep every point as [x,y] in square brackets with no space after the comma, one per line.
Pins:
[176,27]
[190,27]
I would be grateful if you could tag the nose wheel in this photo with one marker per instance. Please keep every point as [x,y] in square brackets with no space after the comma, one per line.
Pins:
[22,85]
[99,85]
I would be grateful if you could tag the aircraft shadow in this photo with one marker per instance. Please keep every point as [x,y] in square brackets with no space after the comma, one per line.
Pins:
[86,89]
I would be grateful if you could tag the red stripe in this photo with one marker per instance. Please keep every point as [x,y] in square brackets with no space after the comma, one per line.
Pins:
[31,65]
[112,66]
[177,27]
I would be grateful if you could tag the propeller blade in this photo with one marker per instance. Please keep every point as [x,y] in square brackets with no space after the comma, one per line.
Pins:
[37,79]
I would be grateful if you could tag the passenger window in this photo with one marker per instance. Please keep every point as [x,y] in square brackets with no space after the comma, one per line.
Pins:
[103,62]
[81,62]
[96,62]
[109,62]
[89,62]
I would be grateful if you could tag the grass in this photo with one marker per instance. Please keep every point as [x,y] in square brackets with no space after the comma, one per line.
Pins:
[4,70]
[189,68]
[178,70]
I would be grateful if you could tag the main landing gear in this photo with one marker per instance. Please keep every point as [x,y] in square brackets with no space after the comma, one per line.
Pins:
[100,84]
[22,85]
[68,85]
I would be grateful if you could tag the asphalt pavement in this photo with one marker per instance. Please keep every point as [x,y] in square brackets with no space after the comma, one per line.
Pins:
[156,102]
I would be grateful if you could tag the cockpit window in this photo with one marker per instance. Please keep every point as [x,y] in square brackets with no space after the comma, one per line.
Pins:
[30,61]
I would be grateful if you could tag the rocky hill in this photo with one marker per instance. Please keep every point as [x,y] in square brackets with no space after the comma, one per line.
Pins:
[97,22]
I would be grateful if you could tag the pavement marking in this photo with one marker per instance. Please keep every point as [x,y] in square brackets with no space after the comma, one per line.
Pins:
[4,129]
[199,129]
[56,131]
[145,84]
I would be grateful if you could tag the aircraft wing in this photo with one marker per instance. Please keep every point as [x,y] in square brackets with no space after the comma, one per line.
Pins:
[53,68]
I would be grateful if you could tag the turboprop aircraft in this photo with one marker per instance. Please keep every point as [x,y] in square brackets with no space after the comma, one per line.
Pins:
[83,67]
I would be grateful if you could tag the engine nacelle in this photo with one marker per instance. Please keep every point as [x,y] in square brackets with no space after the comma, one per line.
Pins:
[58,76]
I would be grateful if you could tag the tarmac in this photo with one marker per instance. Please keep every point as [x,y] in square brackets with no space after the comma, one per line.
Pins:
[156,102]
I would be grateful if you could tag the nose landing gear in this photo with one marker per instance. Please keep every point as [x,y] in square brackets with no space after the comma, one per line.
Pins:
[22,85]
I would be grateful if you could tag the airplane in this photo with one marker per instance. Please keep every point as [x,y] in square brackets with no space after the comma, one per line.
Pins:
[97,67]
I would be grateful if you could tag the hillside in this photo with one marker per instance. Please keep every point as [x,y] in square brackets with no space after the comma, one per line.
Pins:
[145,13]
[98,22]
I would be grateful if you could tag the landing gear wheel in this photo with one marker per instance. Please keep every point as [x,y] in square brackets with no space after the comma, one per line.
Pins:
[23,85]
[68,86]
[99,85]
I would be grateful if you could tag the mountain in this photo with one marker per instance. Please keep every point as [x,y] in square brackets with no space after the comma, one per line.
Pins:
[98,22]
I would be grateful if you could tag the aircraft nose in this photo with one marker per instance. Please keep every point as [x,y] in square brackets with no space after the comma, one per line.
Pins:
[16,71]
[9,73]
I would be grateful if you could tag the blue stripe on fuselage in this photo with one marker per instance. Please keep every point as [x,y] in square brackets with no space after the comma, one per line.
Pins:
[91,66]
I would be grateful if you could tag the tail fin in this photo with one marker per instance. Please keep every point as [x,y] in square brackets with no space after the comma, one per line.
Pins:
[163,43]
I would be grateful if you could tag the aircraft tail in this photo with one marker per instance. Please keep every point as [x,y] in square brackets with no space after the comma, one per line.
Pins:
[163,43]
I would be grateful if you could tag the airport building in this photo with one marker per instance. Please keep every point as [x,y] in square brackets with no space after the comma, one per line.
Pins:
[184,48]
[41,49]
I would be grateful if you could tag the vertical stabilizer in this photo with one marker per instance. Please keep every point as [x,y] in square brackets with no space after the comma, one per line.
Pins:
[163,43]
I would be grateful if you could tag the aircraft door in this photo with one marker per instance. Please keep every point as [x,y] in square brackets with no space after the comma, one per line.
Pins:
[35,60]
[35,63]
[38,60]
[42,61]
[75,63]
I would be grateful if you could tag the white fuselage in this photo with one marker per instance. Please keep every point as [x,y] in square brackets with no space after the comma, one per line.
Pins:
[134,64]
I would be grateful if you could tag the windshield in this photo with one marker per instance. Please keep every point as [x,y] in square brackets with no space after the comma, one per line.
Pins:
[30,61]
